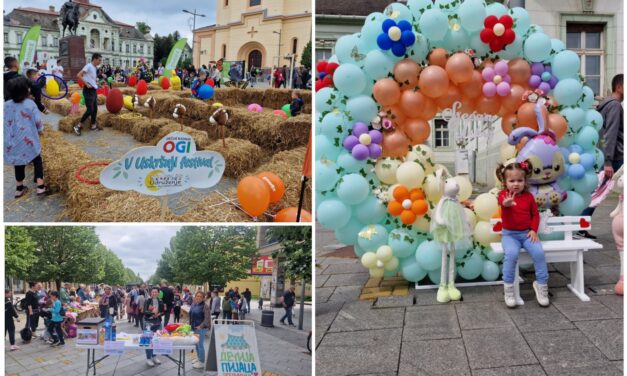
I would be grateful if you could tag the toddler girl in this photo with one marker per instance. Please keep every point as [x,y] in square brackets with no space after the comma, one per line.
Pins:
[520,230]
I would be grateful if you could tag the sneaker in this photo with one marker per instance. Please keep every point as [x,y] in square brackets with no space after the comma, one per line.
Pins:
[542,293]
[42,190]
[453,292]
[150,363]
[618,289]
[585,234]
[443,296]
[19,193]
[508,292]
[95,127]
[77,129]
[282,322]
[14,347]
[157,361]
[198,365]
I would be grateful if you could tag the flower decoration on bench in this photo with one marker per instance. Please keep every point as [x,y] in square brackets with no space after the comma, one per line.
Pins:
[408,205]
[396,36]
[497,80]
[498,32]
[362,143]
[542,77]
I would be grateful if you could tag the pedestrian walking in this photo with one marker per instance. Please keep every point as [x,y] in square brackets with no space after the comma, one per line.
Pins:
[56,320]
[215,305]
[288,299]
[32,306]
[242,308]
[9,314]
[226,308]
[249,296]
[89,75]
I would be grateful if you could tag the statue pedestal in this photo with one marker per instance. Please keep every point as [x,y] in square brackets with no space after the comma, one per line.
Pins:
[72,56]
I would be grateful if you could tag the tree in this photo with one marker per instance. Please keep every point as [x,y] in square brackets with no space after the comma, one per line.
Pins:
[305,60]
[164,266]
[212,254]
[113,267]
[19,252]
[143,27]
[66,254]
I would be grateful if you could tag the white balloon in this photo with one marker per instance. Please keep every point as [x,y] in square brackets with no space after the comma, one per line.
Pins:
[486,205]
[384,253]
[386,168]
[369,260]
[410,174]
[465,187]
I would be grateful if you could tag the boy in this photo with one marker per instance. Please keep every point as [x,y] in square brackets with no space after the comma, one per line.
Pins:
[297,104]
[35,89]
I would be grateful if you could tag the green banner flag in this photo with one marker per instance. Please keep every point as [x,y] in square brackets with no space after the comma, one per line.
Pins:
[174,57]
[29,46]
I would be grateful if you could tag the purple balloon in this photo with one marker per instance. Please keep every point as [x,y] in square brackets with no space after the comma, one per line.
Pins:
[487,74]
[376,136]
[489,89]
[360,152]
[537,69]
[350,142]
[507,78]
[501,68]
[545,87]
[360,128]
[375,151]
[547,68]
[503,89]
[534,81]
[553,81]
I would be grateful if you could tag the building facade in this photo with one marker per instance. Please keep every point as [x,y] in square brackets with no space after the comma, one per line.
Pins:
[120,44]
[593,29]
[260,32]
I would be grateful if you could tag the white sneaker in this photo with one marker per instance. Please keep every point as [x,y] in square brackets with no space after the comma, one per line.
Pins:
[14,347]
[542,293]
[157,361]
[150,363]
[508,290]
[198,365]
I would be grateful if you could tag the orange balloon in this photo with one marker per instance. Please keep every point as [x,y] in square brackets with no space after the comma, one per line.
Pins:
[290,214]
[508,123]
[75,98]
[430,109]
[503,111]
[417,130]
[412,103]
[519,71]
[468,105]
[557,123]
[395,207]
[527,116]
[275,185]
[452,95]
[459,68]
[488,105]
[395,144]
[253,195]
[396,114]
[406,73]
[416,194]
[408,217]
[514,99]
[438,57]
[419,207]
[400,193]
[433,81]
[472,88]
[386,92]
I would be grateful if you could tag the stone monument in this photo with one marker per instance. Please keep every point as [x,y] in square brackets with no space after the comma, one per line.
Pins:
[72,47]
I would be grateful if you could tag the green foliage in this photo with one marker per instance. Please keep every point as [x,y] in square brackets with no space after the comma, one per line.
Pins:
[164,266]
[305,60]
[143,27]
[112,266]
[296,247]
[131,277]
[19,252]
[163,46]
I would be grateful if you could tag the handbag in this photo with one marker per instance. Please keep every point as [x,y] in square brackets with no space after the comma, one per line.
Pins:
[26,333]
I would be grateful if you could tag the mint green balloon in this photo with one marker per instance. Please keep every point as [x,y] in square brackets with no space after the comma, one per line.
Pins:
[419,50]
[349,163]
[398,12]
[372,26]
[418,6]
[403,243]
[335,125]
[325,149]
[573,205]
[575,117]
[566,64]
[522,20]
[586,185]
[358,251]
[568,92]
[461,247]
[371,237]
[513,50]
[599,159]
[434,276]
[594,119]
[557,235]
[349,80]
[429,255]
[455,41]
[557,45]
[433,24]
[353,189]
[361,108]
[565,182]
[326,175]
[411,270]
[588,98]
[490,271]
[537,47]
[471,15]
[480,48]
[371,210]
[494,256]
[333,213]
[587,138]
[377,65]
[344,47]
[473,266]
[327,99]
[496,9]
[348,234]
[566,140]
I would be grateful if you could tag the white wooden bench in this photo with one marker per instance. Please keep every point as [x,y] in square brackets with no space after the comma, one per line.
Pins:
[568,250]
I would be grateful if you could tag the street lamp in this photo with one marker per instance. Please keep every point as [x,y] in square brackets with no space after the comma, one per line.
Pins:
[278,58]
[194,28]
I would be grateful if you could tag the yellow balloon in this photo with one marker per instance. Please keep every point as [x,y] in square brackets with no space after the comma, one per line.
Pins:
[391,265]
[384,253]
[410,174]
[175,81]
[376,272]
[216,105]
[431,187]
[369,260]
[465,187]
[507,152]
[385,169]
[52,88]
[486,205]
[470,217]
[483,234]
[128,102]
[422,224]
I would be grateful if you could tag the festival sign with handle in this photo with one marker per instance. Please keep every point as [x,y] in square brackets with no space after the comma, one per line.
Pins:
[233,349]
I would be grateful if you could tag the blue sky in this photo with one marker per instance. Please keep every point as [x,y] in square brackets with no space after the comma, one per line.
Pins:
[163,16]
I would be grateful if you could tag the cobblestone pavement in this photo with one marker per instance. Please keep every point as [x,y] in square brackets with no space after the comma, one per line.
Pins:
[279,357]
[414,335]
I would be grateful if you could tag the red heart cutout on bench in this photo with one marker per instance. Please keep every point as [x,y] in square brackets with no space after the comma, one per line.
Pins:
[583,223]
[498,226]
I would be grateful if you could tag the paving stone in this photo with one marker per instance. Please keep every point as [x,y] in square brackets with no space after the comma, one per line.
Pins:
[401,291]
[373,282]
[563,347]
[346,268]
[534,370]
[497,347]
[393,283]
[602,275]
[355,279]
[620,365]
[483,316]
[323,322]
[613,302]
[606,335]
[473,294]
[593,369]
[430,322]
[426,297]
[326,307]
[533,318]
[603,289]
[346,293]
[435,357]
[576,310]
[374,295]
[597,258]
[321,279]
[323,293]
[394,301]
[371,351]
[557,280]
[359,316]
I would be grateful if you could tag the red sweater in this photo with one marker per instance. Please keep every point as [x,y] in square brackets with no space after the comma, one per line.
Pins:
[522,216]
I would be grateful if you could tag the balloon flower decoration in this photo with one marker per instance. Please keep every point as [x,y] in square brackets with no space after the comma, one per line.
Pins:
[473,64]
[254,107]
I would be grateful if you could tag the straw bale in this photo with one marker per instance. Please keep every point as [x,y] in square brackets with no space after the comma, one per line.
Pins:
[125,207]
[154,87]
[81,195]
[127,90]
[240,155]
[200,138]
[104,119]
[67,123]
[101,99]
[213,131]
[61,159]
[213,209]
[61,106]
[118,84]
[146,130]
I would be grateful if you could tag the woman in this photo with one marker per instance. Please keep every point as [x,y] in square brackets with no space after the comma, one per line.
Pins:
[87,293]
[128,304]
[278,78]
[9,315]
[243,308]
[57,319]
[108,304]
[200,321]
[153,310]
[215,305]
[141,300]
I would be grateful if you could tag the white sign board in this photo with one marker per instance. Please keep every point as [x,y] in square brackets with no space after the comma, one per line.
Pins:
[114,348]
[162,346]
[172,166]
[461,161]
[233,350]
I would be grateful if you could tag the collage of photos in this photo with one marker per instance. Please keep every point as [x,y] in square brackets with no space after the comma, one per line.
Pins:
[318,187]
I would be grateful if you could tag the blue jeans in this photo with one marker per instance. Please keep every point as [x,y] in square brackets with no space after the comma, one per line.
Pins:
[149,354]
[589,211]
[512,242]
[288,315]
[200,347]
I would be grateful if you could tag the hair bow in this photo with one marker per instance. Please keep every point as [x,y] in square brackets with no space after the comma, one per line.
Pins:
[524,165]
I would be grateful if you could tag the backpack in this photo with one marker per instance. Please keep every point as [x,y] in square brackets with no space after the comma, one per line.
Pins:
[23,304]
[226,306]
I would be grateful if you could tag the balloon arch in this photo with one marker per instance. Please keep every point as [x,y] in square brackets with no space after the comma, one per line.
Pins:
[376,179]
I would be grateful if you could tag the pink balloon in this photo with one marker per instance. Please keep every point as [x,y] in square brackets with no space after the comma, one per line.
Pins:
[507,78]
[501,68]
[503,89]
[489,89]
[487,74]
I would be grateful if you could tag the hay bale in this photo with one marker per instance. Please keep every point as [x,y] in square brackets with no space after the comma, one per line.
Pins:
[118,84]
[154,87]
[101,99]
[240,156]
[200,138]
[146,130]
[213,132]
[126,207]
[213,209]
[81,195]
[104,119]
[61,159]
[61,106]
[67,123]
[128,90]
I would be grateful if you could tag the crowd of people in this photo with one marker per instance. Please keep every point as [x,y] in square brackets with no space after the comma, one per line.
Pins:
[300,77]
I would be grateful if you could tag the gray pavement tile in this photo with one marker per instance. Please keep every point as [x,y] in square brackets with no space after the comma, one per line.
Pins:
[576,310]
[326,307]
[557,280]
[326,261]
[323,293]
[601,368]
[394,301]
[363,352]
[435,357]
[346,268]
[563,347]
[426,297]
[533,318]
[603,289]
[474,294]
[601,275]
[606,335]
[619,364]
[346,293]
[483,315]
[430,322]
[359,316]
[321,279]
[598,258]
[355,279]
[323,322]
[534,370]
[497,347]
[613,302]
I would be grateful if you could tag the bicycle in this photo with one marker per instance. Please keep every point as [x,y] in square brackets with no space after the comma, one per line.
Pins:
[18,305]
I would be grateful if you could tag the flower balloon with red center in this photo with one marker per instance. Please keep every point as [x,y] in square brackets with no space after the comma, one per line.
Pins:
[498,32]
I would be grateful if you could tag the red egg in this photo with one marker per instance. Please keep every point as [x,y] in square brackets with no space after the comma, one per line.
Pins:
[115,101]
[142,88]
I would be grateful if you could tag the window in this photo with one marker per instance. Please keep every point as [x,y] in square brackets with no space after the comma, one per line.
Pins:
[112,45]
[253,3]
[148,49]
[441,133]
[55,42]
[141,49]
[92,43]
[95,16]
[20,37]
[134,48]
[587,41]
[224,51]
[6,37]
[294,45]
[128,48]
[44,41]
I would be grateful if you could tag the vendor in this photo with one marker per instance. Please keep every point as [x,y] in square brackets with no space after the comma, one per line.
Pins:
[153,310]
[200,321]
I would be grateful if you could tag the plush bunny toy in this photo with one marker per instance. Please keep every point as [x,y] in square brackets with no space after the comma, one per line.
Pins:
[617,227]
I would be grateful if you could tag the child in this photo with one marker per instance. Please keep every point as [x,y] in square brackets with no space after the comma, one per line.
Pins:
[22,127]
[520,230]
[35,89]
[297,104]
[56,319]
[177,307]
[9,314]
[243,308]
[198,82]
